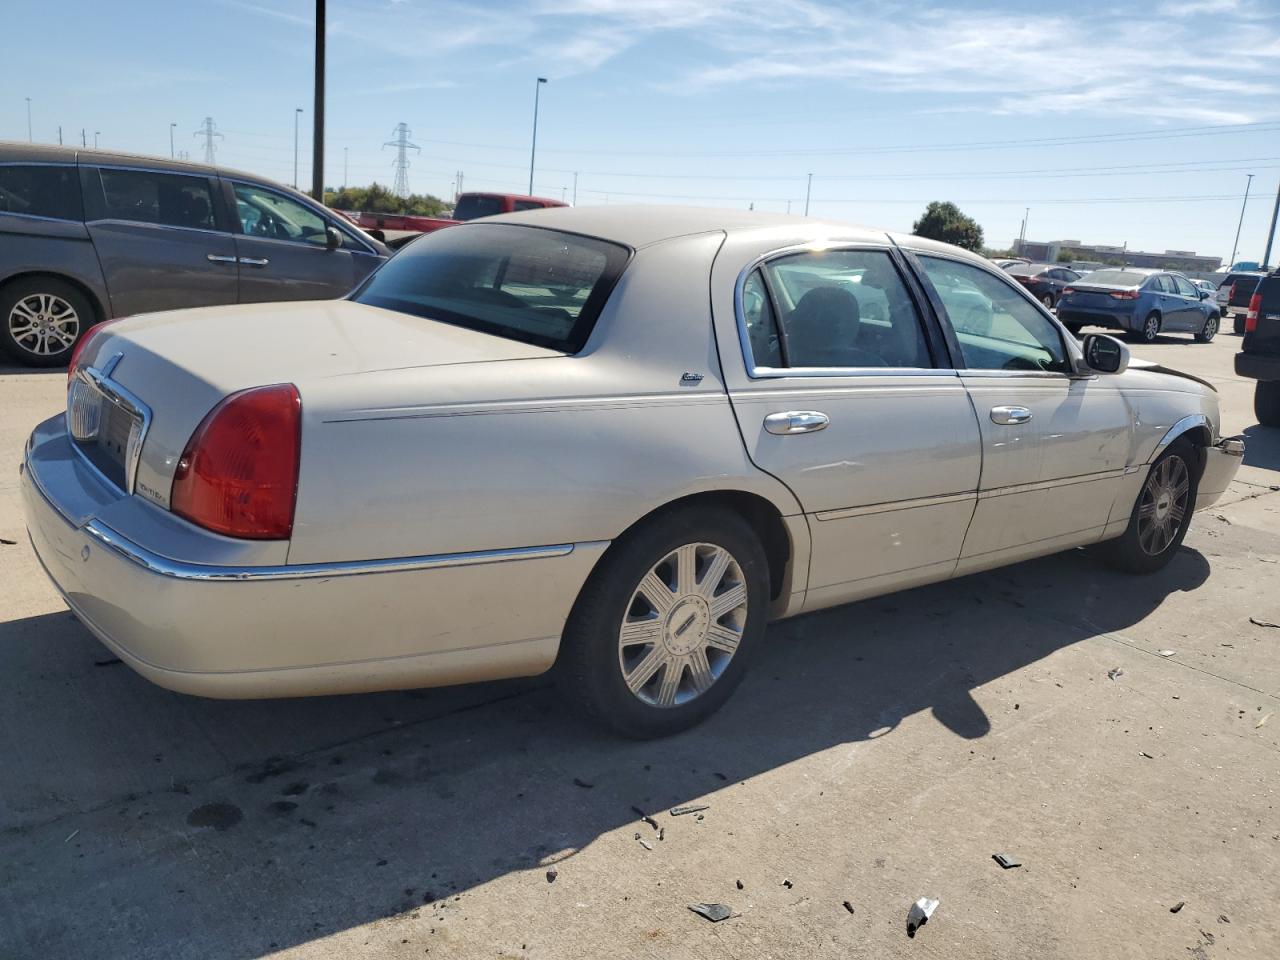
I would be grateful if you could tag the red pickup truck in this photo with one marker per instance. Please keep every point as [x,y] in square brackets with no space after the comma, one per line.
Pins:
[470,206]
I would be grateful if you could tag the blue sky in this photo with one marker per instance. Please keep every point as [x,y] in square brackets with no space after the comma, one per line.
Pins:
[1082,112]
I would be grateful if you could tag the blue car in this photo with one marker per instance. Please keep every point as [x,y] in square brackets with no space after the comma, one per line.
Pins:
[1140,303]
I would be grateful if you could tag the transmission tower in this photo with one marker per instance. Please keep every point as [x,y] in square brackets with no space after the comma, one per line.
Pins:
[401,162]
[208,130]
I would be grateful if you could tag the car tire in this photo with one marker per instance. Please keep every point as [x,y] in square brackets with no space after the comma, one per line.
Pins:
[1209,330]
[1237,325]
[1266,402]
[1149,330]
[1156,527]
[652,686]
[41,319]
[1047,300]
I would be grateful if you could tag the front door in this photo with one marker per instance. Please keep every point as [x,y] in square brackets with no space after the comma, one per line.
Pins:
[1191,315]
[159,239]
[844,396]
[1055,446]
[283,249]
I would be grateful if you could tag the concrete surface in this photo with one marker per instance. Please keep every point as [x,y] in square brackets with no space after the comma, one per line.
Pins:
[878,753]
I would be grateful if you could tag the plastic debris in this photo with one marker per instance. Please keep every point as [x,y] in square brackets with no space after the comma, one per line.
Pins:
[1259,622]
[645,817]
[692,808]
[1006,861]
[1115,672]
[1143,753]
[1167,653]
[1177,906]
[646,844]
[715,912]
[552,873]
[919,914]
[1264,719]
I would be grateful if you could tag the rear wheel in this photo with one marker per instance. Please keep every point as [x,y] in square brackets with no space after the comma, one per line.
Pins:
[1047,300]
[1150,328]
[1237,325]
[1161,516]
[41,318]
[1209,330]
[1266,402]
[663,630]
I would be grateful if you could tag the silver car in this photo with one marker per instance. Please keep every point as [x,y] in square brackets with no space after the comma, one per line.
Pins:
[620,440]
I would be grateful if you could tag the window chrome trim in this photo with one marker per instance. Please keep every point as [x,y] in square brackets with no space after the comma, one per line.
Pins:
[111,540]
[113,392]
[157,226]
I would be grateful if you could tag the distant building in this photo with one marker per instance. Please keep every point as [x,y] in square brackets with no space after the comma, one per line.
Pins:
[1048,251]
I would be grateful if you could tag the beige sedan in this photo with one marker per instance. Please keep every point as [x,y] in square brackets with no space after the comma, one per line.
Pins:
[620,440]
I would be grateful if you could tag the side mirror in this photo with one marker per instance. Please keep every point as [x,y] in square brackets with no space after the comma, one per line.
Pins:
[332,237]
[1104,354]
[1204,294]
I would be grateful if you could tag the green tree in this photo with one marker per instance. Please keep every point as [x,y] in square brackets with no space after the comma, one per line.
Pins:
[942,220]
[376,198]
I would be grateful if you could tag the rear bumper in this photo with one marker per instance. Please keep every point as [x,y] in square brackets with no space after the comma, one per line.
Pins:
[1095,318]
[1257,366]
[273,631]
[1222,460]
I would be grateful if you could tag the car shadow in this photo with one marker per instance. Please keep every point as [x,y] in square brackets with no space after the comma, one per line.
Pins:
[1262,447]
[247,827]
[13,369]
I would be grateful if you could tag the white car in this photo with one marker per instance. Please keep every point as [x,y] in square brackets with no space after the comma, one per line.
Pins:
[621,439]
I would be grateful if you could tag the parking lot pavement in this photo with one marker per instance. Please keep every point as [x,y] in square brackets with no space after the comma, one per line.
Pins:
[878,753]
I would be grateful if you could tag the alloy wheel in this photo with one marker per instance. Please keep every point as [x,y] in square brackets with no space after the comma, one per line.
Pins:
[1151,328]
[1210,329]
[44,324]
[682,625]
[1163,505]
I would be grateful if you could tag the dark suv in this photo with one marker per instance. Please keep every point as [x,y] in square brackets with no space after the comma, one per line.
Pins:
[1259,356]
[1045,281]
[1234,294]
[86,236]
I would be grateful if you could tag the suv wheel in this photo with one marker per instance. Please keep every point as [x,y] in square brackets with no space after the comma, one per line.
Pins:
[1266,402]
[1237,325]
[41,318]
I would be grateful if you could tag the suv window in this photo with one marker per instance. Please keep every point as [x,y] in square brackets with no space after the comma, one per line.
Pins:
[265,213]
[839,308]
[38,191]
[473,206]
[997,327]
[523,283]
[169,199]
[529,205]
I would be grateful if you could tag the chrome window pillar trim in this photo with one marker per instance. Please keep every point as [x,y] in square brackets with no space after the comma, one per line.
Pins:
[113,392]
[111,540]
[1189,422]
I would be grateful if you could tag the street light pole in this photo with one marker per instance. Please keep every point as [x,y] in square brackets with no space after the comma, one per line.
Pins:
[1236,246]
[29,120]
[297,113]
[317,112]
[171,126]
[1271,234]
[533,150]
[344,168]
[807,190]
[95,138]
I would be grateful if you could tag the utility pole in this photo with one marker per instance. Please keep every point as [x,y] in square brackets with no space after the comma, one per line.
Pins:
[401,162]
[807,190]
[575,188]
[1235,246]
[84,140]
[297,112]
[29,140]
[457,185]
[208,130]
[95,138]
[533,150]
[1022,234]
[172,154]
[788,207]
[317,112]
[1271,234]
[59,134]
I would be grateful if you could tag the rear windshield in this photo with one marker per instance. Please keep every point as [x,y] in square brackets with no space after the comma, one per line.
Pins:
[1026,269]
[475,205]
[538,286]
[1117,278]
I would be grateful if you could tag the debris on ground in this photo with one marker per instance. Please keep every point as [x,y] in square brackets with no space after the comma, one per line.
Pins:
[1177,906]
[715,912]
[919,914]
[692,808]
[645,843]
[787,883]
[552,873]
[1264,719]
[1006,861]
[1259,622]
[583,784]
[848,906]
[71,836]
[1143,753]
[1167,653]
[1115,672]
[8,543]
[662,833]
[738,884]
[1222,918]
[107,663]
[646,818]
[700,817]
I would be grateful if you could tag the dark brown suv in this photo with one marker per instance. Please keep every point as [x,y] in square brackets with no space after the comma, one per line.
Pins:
[86,236]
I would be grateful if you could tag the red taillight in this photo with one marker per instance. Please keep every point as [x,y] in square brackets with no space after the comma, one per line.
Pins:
[1067,290]
[1232,295]
[239,473]
[1024,279]
[89,334]
[1251,318]
[1124,294]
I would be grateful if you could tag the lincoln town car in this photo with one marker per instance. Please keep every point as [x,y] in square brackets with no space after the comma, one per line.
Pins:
[617,442]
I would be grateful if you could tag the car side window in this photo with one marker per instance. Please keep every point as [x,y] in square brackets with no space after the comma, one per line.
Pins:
[41,191]
[997,328]
[265,213]
[839,308]
[761,323]
[1184,287]
[167,199]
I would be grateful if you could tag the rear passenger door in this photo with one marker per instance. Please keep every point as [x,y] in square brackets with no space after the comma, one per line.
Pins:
[161,239]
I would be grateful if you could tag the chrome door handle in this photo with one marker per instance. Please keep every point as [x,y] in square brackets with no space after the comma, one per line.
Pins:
[219,258]
[1010,415]
[254,261]
[796,421]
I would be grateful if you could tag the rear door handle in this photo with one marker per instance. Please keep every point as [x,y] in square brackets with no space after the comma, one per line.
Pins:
[796,421]
[1006,415]
[219,258]
[254,261]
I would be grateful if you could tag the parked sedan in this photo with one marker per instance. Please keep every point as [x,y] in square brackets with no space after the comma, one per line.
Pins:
[86,236]
[1045,281]
[617,439]
[1141,303]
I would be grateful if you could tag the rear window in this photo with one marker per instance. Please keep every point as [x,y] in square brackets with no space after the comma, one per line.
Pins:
[1025,269]
[37,191]
[1118,278]
[473,206]
[538,286]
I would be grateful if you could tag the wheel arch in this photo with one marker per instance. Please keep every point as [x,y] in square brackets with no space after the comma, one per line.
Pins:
[1195,428]
[100,309]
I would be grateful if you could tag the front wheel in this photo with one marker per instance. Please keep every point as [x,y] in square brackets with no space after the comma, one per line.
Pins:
[1266,402]
[1161,516]
[41,318]
[1047,300]
[1209,330]
[663,630]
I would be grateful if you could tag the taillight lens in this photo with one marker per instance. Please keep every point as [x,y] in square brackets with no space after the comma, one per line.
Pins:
[1124,295]
[1232,295]
[238,475]
[1025,280]
[1068,290]
[89,335]
[1251,318]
